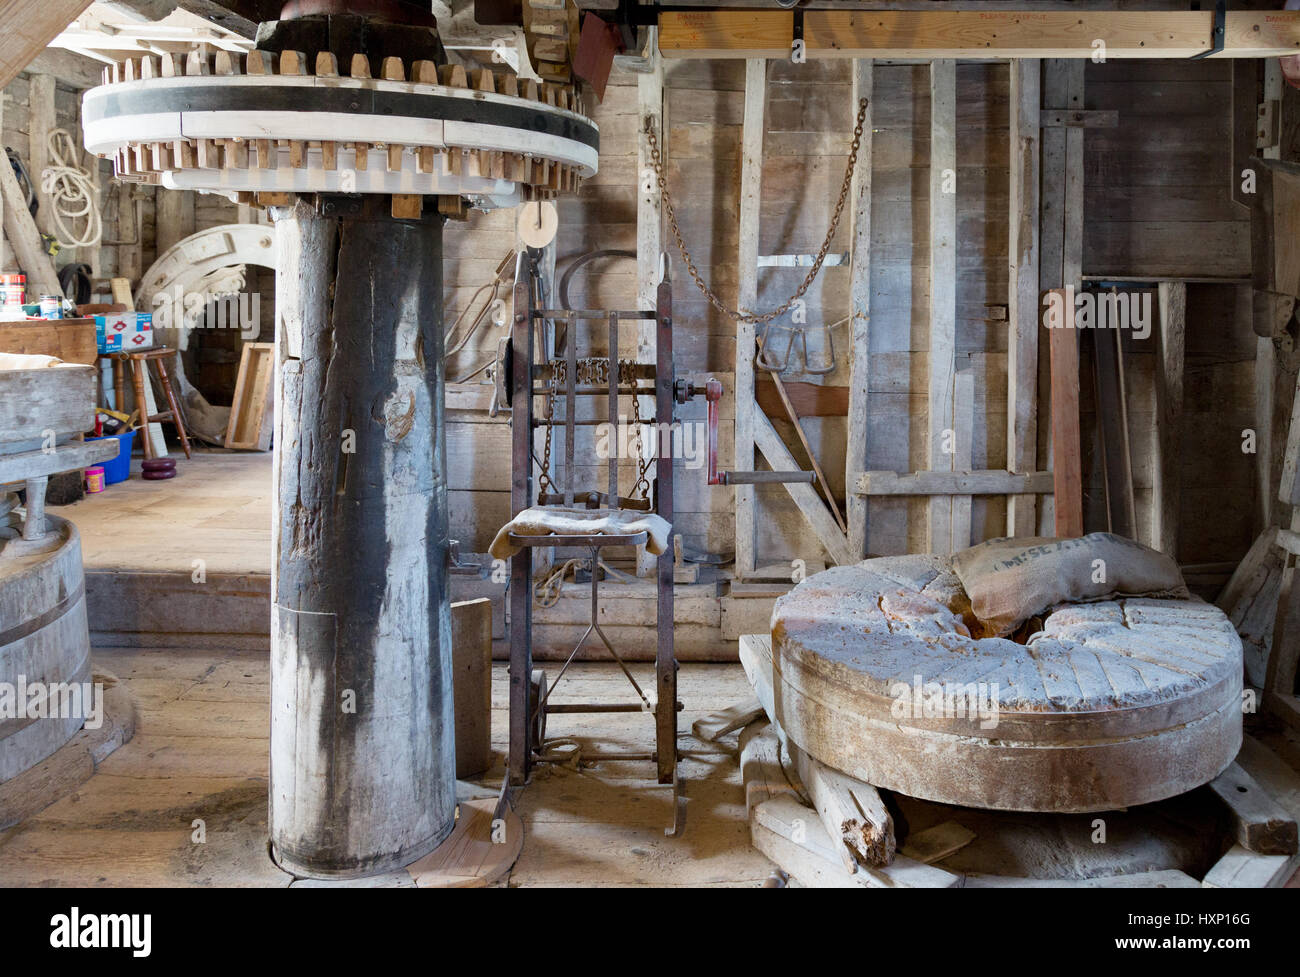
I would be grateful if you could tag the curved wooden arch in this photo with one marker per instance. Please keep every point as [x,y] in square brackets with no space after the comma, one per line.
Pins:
[189,261]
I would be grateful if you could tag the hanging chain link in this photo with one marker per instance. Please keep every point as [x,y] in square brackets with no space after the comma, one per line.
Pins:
[627,377]
[657,163]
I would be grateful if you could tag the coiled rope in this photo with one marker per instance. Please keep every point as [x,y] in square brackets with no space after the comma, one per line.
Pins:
[71,193]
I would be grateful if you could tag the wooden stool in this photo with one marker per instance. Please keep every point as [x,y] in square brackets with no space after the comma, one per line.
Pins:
[139,361]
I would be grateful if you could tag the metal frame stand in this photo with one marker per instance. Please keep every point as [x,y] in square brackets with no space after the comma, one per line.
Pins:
[524,373]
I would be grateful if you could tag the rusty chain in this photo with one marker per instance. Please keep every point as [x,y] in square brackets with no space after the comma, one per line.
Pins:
[657,163]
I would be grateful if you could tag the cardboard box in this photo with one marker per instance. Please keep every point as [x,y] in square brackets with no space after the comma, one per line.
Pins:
[124,331]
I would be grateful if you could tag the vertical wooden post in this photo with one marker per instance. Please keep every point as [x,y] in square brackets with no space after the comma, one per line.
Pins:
[1172,297]
[649,234]
[751,186]
[40,120]
[362,752]
[943,290]
[1265,351]
[859,422]
[1022,290]
[1067,453]
[1060,269]
[175,217]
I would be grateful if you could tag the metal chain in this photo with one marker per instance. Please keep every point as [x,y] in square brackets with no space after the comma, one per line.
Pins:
[657,163]
[627,377]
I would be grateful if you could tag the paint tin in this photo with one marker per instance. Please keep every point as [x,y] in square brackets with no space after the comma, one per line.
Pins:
[94,479]
[13,289]
[52,306]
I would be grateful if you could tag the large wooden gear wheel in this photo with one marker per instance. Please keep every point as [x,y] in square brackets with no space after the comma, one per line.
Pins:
[276,124]
[1112,704]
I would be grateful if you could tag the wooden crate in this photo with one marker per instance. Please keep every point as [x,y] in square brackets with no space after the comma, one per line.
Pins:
[71,340]
[251,413]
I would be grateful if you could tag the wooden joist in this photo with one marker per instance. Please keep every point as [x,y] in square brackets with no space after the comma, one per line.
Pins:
[1169,415]
[975,34]
[851,811]
[751,185]
[814,510]
[955,483]
[940,434]
[855,451]
[1258,821]
[1067,448]
[27,27]
[1022,290]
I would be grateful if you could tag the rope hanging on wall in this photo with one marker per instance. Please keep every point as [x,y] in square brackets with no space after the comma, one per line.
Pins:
[71,193]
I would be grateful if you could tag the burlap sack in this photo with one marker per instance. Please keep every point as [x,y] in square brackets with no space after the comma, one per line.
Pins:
[1009,581]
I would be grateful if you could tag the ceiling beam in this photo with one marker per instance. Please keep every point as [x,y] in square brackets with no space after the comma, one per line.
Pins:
[27,26]
[975,33]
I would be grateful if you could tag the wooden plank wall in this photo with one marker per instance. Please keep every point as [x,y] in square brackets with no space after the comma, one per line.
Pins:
[1158,189]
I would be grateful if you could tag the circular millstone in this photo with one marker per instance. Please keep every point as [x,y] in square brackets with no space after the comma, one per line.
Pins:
[272,124]
[1112,704]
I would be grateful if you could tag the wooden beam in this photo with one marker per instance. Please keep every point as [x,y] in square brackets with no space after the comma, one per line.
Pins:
[24,238]
[27,27]
[853,813]
[1259,823]
[40,120]
[1022,290]
[805,496]
[1067,453]
[1172,297]
[808,399]
[963,412]
[855,454]
[943,292]
[1117,466]
[936,34]
[954,483]
[649,234]
[751,186]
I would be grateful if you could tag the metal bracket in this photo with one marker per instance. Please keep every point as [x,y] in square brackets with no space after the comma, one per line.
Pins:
[1218,34]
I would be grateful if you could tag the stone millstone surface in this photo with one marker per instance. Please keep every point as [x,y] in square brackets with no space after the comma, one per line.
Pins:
[1112,704]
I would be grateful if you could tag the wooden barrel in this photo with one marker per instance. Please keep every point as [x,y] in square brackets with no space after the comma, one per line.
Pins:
[43,639]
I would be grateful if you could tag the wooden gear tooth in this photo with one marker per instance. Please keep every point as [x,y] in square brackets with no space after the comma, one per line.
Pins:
[197,64]
[424,72]
[293,63]
[267,154]
[226,63]
[183,153]
[171,66]
[206,154]
[259,63]
[393,69]
[149,68]
[235,155]
[130,71]
[395,158]
[297,153]
[485,81]
[329,155]
[453,76]
[327,65]
[360,67]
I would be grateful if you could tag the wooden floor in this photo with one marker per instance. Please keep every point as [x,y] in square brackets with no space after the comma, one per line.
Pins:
[200,755]
[217,508]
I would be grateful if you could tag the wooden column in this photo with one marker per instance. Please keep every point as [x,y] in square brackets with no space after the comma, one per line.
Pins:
[1169,415]
[1060,268]
[649,235]
[40,120]
[751,185]
[943,290]
[1023,309]
[362,753]
[859,423]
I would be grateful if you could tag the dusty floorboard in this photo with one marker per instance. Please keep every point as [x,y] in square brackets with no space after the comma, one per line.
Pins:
[200,754]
